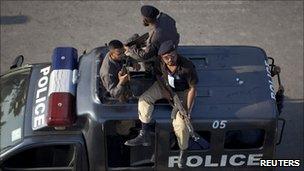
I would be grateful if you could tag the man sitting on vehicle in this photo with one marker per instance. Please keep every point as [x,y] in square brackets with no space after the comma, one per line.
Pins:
[181,76]
[111,75]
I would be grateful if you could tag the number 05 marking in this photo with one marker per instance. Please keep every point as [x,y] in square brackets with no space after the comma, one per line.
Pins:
[219,124]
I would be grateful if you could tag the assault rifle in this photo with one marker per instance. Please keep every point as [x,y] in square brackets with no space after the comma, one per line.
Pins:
[137,40]
[175,102]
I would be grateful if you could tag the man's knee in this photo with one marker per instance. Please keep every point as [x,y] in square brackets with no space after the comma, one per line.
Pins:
[146,98]
[179,124]
[145,109]
[180,127]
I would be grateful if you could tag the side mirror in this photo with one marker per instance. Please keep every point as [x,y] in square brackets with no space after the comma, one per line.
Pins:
[17,62]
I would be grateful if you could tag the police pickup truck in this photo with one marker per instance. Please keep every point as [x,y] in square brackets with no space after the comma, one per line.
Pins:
[57,116]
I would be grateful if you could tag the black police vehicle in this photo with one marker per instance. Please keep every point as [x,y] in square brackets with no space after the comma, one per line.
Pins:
[56,116]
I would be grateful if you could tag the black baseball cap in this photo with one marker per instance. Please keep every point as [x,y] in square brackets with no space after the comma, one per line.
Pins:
[166,47]
[149,11]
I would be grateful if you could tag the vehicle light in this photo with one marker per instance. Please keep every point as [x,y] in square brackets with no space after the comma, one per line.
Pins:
[62,88]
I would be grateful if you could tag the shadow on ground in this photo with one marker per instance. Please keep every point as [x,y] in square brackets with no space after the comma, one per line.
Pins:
[16,19]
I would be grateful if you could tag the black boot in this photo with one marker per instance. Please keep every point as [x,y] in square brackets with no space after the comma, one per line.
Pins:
[143,138]
[182,159]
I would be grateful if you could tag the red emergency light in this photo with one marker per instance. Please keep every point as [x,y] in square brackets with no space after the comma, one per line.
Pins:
[61,109]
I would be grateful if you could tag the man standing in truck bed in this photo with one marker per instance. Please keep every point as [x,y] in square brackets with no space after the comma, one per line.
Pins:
[162,28]
[181,76]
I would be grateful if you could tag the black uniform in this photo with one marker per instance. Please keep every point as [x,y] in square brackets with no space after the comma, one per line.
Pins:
[164,30]
[184,77]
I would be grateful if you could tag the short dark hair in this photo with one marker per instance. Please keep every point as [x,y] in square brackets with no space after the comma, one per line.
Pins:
[115,44]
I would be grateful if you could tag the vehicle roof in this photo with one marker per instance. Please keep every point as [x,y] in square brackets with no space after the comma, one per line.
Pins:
[220,96]
[233,84]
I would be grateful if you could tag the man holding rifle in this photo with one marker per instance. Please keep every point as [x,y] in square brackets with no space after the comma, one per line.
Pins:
[162,28]
[112,76]
[178,78]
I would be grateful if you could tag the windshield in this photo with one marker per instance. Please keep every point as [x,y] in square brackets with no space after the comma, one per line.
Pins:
[13,99]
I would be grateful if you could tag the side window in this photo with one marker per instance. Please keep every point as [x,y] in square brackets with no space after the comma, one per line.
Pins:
[244,139]
[43,158]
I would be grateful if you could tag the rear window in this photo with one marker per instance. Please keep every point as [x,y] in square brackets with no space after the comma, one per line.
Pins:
[14,88]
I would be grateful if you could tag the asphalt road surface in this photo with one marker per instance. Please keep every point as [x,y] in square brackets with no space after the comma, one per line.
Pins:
[35,28]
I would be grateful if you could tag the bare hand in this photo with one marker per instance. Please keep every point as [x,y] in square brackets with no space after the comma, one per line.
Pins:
[126,48]
[123,79]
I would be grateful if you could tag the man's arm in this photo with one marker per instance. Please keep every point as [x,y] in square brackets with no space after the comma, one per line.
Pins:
[137,40]
[151,49]
[109,82]
[149,52]
[192,81]
[190,98]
